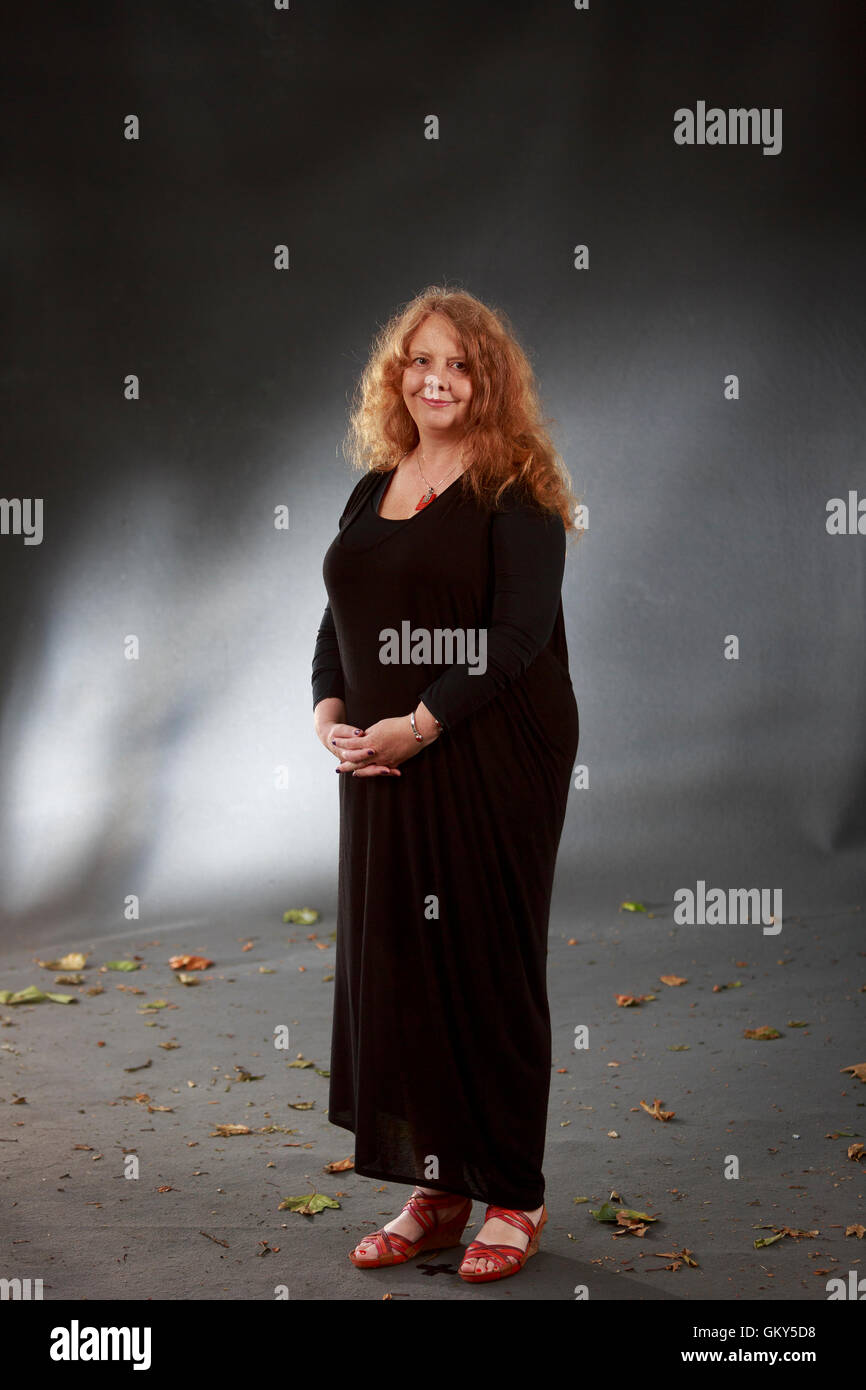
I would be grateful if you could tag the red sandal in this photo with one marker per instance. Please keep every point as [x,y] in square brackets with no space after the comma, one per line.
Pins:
[394,1249]
[503,1255]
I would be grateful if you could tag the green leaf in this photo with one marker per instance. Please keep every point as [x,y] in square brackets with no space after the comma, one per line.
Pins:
[303,916]
[320,1071]
[122,965]
[679,1047]
[30,995]
[608,1212]
[767,1240]
[633,907]
[309,1205]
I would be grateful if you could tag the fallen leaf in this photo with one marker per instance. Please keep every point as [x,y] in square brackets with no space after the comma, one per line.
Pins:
[608,1212]
[858,1070]
[762,1034]
[301,1104]
[732,984]
[76,979]
[190,963]
[121,965]
[32,995]
[340,1165]
[679,1258]
[656,1111]
[229,1131]
[143,1066]
[857,1230]
[856,1152]
[75,960]
[628,1001]
[633,907]
[309,1205]
[673,980]
[304,916]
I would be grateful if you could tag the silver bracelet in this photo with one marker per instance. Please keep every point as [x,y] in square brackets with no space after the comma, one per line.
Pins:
[419,738]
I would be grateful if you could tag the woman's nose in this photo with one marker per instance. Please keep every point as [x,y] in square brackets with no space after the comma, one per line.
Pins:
[434,384]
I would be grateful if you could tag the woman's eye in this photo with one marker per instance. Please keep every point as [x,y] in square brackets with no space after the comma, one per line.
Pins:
[458,363]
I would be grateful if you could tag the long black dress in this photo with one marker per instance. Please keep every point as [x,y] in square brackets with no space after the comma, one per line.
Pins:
[441,1045]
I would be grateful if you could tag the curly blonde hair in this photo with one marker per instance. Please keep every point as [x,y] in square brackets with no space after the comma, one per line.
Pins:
[506,442]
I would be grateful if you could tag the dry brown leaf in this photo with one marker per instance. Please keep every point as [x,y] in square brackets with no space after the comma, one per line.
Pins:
[858,1070]
[679,1257]
[190,963]
[656,1111]
[340,1165]
[629,1001]
[673,980]
[856,1230]
[857,1151]
[228,1131]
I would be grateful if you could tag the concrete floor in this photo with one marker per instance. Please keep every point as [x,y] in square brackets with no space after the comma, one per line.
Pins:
[72,1219]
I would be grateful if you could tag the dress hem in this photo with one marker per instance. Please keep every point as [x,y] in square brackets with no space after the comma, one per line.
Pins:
[457,1190]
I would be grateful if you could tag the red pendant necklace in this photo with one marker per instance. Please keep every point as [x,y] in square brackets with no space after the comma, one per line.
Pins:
[431,494]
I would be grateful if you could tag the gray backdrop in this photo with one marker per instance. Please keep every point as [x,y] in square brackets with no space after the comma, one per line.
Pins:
[191,776]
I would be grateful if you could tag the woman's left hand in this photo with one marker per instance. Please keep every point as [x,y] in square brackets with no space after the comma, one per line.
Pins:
[392,741]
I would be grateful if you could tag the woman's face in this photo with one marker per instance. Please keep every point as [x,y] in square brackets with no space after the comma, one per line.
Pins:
[436,384]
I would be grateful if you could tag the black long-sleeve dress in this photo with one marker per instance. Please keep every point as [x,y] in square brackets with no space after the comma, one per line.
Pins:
[441,1045]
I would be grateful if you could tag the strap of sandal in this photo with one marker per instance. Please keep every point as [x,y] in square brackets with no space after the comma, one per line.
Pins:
[423,1207]
[386,1243]
[513,1218]
[499,1254]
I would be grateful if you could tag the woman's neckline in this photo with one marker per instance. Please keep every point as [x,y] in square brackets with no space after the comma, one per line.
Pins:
[401,520]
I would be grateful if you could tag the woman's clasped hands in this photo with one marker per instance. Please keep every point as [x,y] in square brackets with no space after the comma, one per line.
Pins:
[377,750]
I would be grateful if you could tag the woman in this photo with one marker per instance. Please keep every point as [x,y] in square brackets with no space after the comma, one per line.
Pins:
[441,1047]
